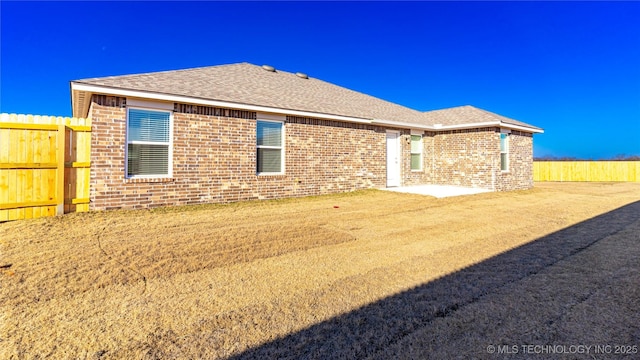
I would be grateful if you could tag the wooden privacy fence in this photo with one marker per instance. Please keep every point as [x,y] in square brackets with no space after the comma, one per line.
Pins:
[627,171]
[44,165]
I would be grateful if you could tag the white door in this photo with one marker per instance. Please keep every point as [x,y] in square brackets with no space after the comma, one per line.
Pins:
[393,158]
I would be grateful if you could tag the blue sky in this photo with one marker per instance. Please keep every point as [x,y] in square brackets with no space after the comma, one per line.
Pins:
[572,68]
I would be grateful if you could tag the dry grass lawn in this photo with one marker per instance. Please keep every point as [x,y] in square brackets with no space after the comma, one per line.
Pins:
[367,274]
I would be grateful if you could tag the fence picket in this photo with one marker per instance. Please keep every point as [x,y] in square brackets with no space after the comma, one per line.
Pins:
[621,171]
[39,159]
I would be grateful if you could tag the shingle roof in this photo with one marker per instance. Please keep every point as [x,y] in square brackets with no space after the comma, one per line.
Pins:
[250,84]
[468,115]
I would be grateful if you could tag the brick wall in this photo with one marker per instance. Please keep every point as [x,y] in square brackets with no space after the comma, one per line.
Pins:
[520,174]
[325,156]
[471,157]
[414,177]
[214,158]
[465,157]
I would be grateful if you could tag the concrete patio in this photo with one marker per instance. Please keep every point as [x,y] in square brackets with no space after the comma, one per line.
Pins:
[438,191]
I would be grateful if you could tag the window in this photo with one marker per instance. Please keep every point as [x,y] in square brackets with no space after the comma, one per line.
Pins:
[148,143]
[269,147]
[504,152]
[416,152]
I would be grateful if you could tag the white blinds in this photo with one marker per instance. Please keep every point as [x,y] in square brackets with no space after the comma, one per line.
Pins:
[148,142]
[503,143]
[269,147]
[415,144]
[269,160]
[144,159]
[269,133]
[416,152]
[147,125]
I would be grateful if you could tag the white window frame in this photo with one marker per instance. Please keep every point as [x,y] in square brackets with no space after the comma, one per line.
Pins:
[507,134]
[159,108]
[417,133]
[281,147]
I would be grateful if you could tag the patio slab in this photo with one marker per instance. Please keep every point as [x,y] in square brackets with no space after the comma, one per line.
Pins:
[439,191]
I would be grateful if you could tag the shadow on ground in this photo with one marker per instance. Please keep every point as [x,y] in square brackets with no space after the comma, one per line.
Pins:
[577,286]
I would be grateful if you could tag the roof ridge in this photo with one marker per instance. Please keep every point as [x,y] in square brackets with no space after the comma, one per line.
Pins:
[164,71]
[448,108]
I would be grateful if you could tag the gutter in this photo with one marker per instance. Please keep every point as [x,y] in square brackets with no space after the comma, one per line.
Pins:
[403,125]
[440,127]
[488,124]
[92,89]
[100,89]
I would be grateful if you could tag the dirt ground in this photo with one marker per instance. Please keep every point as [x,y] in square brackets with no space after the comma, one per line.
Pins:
[369,274]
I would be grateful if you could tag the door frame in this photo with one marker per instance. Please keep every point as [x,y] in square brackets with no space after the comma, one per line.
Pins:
[390,167]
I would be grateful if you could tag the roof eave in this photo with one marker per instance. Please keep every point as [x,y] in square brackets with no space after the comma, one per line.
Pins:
[530,129]
[402,125]
[500,124]
[440,127]
[81,99]
[95,89]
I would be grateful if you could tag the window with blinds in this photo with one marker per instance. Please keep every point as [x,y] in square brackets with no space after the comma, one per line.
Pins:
[416,152]
[504,152]
[148,143]
[269,147]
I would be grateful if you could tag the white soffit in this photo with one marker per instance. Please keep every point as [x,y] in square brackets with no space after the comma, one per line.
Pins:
[215,103]
[94,89]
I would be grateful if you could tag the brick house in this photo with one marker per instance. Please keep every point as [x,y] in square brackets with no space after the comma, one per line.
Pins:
[241,132]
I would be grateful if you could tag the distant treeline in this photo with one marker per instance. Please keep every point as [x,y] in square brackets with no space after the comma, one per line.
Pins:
[621,157]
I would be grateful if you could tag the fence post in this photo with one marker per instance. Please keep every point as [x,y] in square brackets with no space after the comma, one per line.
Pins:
[60,171]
